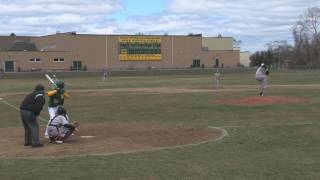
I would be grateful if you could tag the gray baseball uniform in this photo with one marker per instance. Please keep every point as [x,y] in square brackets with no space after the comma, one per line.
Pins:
[262,77]
[60,128]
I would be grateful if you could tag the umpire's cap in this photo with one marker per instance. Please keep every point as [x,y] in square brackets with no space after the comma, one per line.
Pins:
[39,87]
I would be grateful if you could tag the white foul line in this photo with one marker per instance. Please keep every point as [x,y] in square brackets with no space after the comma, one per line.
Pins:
[18,109]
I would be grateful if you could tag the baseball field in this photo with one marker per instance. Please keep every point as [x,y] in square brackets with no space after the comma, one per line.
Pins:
[152,125]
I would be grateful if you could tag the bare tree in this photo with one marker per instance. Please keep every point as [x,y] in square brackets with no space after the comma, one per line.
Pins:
[236,43]
[281,52]
[311,19]
[306,37]
[300,43]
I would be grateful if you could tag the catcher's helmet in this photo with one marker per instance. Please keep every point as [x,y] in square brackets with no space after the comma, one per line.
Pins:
[60,84]
[61,110]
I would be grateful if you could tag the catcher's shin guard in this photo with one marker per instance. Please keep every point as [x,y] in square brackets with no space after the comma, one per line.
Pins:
[67,134]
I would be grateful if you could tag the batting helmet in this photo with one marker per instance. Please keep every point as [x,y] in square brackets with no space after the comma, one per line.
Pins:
[60,84]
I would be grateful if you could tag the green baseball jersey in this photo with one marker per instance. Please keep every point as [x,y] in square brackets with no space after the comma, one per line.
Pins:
[57,99]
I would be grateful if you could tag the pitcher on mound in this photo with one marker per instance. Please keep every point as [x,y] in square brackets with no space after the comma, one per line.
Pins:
[262,77]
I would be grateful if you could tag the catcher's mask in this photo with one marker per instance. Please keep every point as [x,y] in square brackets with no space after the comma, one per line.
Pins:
[61,110]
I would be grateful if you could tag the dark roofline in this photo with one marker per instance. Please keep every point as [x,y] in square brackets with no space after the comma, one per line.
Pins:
[17,36]
[76,34]
[219,37]
[152,35]
[35,51]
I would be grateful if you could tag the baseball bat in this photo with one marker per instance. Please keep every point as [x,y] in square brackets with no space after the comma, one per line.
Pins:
[51,81]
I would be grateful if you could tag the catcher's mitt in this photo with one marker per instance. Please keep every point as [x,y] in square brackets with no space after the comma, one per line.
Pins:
[76,125]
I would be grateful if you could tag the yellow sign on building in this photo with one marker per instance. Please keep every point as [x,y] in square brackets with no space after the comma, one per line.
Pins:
[139,48]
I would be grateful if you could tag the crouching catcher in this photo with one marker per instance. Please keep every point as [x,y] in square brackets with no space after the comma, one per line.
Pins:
[60,128]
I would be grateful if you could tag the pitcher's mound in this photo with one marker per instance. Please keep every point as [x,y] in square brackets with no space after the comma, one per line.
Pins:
[263,100]
[108,139]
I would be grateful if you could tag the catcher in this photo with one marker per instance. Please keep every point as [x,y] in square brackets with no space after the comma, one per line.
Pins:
[60,128]
[262,77]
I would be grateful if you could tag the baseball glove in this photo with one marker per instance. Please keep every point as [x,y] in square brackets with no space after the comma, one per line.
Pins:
[76,125]
[267,72]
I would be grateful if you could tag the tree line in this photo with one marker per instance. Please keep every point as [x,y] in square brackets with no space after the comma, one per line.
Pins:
[304,53]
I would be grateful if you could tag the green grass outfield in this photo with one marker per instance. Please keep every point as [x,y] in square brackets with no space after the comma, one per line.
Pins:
[264,142]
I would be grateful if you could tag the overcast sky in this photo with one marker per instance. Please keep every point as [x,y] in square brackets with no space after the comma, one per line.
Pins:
[255,22]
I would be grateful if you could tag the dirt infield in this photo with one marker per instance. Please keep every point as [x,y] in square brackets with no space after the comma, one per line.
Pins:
[263,100]
[108,139]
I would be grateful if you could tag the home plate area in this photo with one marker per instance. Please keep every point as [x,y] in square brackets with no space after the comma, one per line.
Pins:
[109,138]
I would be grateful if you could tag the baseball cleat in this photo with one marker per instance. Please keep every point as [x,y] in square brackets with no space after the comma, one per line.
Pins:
[52,139]
[59,142]
[37,145]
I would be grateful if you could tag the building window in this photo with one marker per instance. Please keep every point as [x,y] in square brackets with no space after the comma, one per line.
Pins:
[217,63]
[205,48]
[35,60]
[58,60]
[77,65]
[196,63]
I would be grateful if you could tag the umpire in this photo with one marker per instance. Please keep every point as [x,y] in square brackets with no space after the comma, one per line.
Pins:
[30,108]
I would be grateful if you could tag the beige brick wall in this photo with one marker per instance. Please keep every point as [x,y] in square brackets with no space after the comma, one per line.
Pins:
[22,60]
[217,43]
[90,49]
[229,59]
[98,52]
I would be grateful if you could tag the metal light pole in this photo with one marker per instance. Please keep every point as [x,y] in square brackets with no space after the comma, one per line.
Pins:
[277,45]
[279,62]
